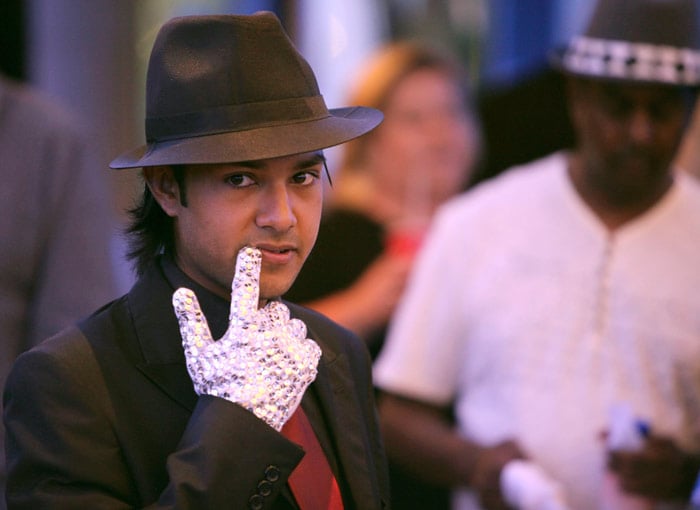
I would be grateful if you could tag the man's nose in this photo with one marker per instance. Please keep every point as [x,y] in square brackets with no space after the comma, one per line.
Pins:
[641,126]
[276,210]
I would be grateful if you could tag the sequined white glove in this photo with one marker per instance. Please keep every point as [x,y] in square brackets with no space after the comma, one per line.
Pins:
[264,362]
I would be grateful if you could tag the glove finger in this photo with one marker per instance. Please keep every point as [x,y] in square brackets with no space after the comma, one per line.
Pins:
[297,328]
[194,328]
[309,352]
[276,313]
[314,350]
[245,288]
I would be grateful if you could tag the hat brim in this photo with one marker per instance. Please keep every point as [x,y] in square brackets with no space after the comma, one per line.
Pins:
[267,142]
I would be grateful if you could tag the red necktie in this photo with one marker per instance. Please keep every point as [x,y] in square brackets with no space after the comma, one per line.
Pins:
[312,482]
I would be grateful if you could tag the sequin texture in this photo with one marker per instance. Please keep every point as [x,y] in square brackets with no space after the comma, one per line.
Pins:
[264,362]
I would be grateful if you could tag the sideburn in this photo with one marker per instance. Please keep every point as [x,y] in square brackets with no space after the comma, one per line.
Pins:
[179,176]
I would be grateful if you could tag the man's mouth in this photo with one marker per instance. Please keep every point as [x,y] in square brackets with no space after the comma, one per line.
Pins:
[276,254]
[275,249]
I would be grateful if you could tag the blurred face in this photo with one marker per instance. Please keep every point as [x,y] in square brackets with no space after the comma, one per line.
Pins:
[628,136]
[273,204]
[426,145]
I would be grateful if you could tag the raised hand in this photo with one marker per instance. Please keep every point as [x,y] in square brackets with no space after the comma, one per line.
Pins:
[264,362]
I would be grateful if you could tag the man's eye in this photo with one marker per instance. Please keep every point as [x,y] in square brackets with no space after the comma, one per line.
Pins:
[240,180]
[307,177]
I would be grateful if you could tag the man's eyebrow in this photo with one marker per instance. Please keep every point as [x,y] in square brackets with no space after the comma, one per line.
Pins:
[313,160]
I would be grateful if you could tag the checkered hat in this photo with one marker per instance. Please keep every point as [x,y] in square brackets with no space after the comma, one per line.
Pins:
[645,41]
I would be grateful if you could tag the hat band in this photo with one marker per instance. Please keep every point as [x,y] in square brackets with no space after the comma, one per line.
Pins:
[238,117]
[633,61]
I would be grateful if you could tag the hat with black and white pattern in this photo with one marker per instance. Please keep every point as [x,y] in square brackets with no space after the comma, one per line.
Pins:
[645,41]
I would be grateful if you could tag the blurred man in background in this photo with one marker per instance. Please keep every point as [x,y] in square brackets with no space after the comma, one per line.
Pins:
[563,288]
[56,223]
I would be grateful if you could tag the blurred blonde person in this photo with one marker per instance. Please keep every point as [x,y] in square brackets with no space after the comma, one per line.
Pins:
[389,184]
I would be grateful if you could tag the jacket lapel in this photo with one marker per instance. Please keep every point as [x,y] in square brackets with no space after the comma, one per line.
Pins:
[343,415]
[158,335]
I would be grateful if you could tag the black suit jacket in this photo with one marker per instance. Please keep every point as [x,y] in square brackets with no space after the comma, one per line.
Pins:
[105,416]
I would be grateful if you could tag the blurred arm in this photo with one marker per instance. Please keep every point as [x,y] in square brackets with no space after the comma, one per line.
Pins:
[420,438]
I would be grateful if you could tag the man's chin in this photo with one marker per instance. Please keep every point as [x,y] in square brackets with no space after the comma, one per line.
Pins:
[270,291]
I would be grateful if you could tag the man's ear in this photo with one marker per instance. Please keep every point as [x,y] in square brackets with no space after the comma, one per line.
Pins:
[164,188]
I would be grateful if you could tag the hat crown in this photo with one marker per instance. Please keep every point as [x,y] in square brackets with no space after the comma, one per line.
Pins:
[638,41]
[228,88]
[658,22]
[206,65]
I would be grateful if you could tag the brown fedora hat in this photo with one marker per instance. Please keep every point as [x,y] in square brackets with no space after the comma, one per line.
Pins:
[228,88]
[645,41]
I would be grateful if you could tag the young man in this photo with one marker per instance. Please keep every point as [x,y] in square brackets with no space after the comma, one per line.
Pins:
[127,409]
[563,289]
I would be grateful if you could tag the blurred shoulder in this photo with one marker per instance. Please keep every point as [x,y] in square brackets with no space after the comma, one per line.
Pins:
[26,107]
[521,180]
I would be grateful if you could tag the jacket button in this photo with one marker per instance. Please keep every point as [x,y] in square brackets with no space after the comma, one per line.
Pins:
[255,502]
[265,488]
[272,473]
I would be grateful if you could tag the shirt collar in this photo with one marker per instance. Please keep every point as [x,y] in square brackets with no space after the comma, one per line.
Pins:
[215,309]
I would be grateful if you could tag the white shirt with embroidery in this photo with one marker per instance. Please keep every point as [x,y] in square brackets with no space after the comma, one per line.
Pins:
[535,319]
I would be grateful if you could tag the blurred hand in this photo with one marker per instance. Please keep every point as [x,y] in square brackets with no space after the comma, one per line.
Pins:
[526,486]
[659,471]
[378,289]
[486,475]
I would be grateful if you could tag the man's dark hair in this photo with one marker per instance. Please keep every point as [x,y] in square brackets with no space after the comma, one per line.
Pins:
[151,232]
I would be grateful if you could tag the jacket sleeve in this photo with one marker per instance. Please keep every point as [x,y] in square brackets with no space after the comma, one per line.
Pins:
[217,467]
[63,450]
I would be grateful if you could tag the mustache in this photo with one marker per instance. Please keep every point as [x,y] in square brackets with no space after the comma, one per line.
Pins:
[643,156]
